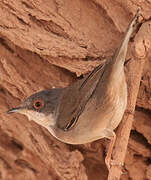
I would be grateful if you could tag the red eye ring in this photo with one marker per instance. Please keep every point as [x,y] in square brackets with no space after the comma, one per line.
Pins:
[38,104]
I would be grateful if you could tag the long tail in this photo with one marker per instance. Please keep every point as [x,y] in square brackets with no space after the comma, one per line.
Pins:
[119,56]
[118,59]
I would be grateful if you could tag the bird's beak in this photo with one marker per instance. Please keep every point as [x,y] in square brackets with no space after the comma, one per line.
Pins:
[16,109]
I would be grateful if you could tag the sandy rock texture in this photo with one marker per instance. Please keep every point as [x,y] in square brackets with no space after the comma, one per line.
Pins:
[51,43]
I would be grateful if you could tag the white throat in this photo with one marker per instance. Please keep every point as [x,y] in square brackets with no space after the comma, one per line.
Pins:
[40,118]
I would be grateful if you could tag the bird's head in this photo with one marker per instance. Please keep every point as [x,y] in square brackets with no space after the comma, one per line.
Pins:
[40,107]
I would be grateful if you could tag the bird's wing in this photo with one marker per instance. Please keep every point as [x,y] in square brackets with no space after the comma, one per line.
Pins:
[75,97]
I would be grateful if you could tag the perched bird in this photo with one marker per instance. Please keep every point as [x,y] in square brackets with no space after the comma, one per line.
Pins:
[87,110]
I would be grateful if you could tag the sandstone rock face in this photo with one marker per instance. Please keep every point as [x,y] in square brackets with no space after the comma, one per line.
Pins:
[50,43]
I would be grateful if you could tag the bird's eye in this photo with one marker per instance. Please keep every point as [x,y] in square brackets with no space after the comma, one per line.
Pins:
[38,104]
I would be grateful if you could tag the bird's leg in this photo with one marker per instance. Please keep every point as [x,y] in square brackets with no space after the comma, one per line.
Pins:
[112,137]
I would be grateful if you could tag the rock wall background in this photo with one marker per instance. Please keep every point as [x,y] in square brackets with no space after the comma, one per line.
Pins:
[51,43]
